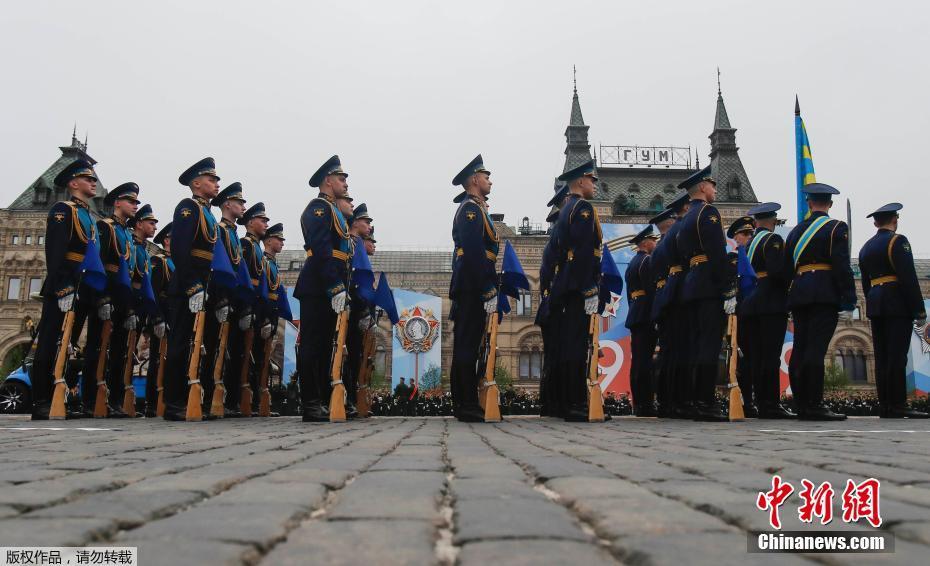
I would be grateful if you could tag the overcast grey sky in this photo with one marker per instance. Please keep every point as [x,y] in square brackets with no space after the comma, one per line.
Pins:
[407,92]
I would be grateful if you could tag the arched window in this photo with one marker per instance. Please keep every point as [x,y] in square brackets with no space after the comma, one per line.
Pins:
[531,363]
[656,203]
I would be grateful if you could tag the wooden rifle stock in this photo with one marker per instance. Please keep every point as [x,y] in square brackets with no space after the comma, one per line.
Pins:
[103,392]
[489,395]
[129,392]
[219,388]
[160,379]
[337,399]
[595,397]
[195,393]
[363,396]
[60,388]
[245,398]
[264,394]
[736,395]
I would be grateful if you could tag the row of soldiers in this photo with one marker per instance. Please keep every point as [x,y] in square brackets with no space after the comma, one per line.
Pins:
[211,324]
[681,286]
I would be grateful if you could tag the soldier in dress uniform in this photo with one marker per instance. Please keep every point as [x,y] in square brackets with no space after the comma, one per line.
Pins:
[821,285]
[322,286]
[474,285]
[230,305]
[193,235]
[116,304]
[69,228]
[640,289]
[255,221]
[144,225]
[673,385]
[549,401]
[360,317]
[764,313]
[162,268]
[706,291]
[273,242]
[370,242]
[894,305]
[741,231]
[576,283]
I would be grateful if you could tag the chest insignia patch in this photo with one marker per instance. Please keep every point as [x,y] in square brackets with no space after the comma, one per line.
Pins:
[318,212]
[185,212]
[470,216]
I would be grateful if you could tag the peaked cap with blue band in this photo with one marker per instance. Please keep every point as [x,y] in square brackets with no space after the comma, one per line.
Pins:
[232,192]
[332,167]
[78,168]
[205,166]
[476,165]
[128,191]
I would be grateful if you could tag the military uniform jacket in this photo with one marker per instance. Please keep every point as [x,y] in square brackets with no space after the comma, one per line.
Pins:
[140,268]
[640,290]
[766,252]
[328,247]
[269,309]
[68,229]
[889,280]
[702,244]
[254,257]
[667,272]
[547,267]
[476,247]
[578,230]
[115,247]
[821,274]
[193,236]
[162,269]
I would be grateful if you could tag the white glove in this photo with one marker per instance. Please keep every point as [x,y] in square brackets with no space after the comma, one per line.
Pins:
[490,306]
[266,330]
[338,302]
[195,302]
[105,311]
[221,313]
[159,330]
[729,306]
[590,305]
[244,321]
[131,322]
[846,316]
[65,303]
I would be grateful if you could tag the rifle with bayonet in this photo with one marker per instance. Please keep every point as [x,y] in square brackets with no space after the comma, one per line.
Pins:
[129,391]
[60,391]
[337,399]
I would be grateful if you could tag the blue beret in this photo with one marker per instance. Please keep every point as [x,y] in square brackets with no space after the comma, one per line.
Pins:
[741,224]
[232,192]
[764,210]
[257,210]
[78,168]
[205,166]
[476,165]
[128,191]
[561,189]
[889,208]
[276,231]
[332,167]
[163,233]
[585,169]
[642,235]
[702,175]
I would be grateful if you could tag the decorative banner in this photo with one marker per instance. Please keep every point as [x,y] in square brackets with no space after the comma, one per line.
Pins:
[918,359]
[417,351]
[289,366]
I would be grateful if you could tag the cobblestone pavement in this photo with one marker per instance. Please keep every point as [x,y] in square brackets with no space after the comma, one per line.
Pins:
[433,490]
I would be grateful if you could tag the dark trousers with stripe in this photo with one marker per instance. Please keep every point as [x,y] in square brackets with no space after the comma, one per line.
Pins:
[642,347]
[891,337]
[764,337]
[813,329]
[43,365]
[468,330]
[315,352]
[706,332]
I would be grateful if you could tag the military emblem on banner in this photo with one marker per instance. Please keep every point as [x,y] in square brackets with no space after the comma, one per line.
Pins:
[417,330]
[923,332]
[613,307]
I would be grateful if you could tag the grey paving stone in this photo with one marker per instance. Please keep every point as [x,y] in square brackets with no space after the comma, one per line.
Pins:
[644,515]
[488,519]
[125,506]
[468,489]
[337,543]
[533,553]
[390,495]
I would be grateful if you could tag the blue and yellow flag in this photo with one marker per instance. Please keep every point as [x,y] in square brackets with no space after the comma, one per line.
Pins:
[803,160]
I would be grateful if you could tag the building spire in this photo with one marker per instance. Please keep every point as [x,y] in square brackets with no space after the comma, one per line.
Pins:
[577,148]
[721,120]
[575,78]
[74,135]
[718,82]
[85,141]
